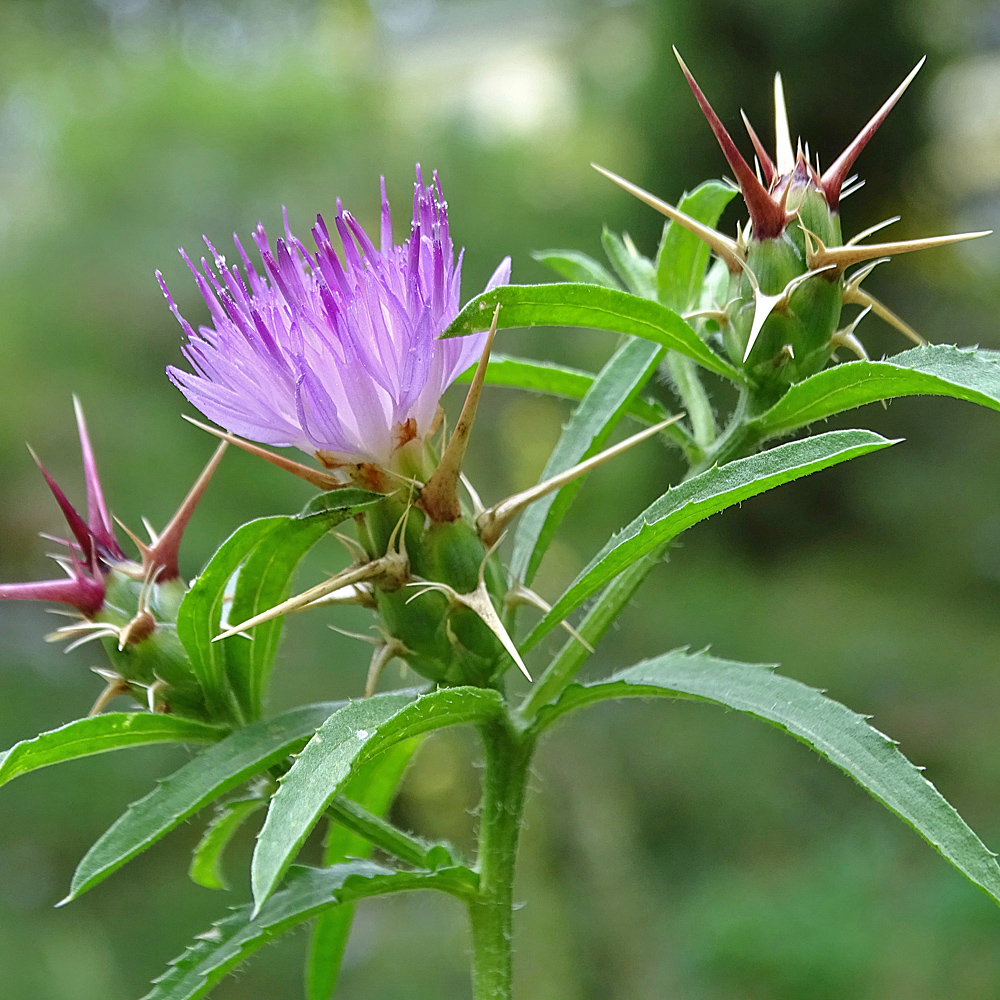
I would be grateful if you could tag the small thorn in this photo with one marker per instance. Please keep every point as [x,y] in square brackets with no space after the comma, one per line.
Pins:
[161,556]
[383,654]
[857,296]
[520,594]
[846,337]
[114,686]
[491,523]
[97,509]
[439,498]
[766,164]
[723,246]
[871,230]
[782,135]
[321,480]
[832,181]
[477,503]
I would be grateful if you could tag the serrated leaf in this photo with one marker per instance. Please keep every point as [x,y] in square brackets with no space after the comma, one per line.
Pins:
[206,859]
[99,734]
[344,743]
[936,370]
[832,730]
[700,497]
[682,258]
[590,307]
[307,892]
[636,271]
[575,266]
[374,787]
[617,385]
[265,580]
[216,771]
[201,609]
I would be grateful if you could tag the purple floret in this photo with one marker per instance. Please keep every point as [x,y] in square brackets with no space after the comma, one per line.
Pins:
[333,357]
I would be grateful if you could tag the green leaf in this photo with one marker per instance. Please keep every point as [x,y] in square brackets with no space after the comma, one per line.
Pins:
[558,380]
[591,307]
[200,611]
[216,771]
[700,497]
[835,732]
[374,787]
[206,861]
[99,734]
[615,388]
[636,271]
[343,744]
[575,266]
[307,892]
[937,370]
[265,579]
[682,259]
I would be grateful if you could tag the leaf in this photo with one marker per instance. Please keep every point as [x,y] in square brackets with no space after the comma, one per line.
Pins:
[832,730]
[345,742]
[636,271]
[700,497]
[575,266]
[591,307]
[214,772]
[557,380]
[682,258]
[374,788]
[587,431]
[99,734]
[201,609]
[307,892]
[265,580]
[937,370]
[206,860]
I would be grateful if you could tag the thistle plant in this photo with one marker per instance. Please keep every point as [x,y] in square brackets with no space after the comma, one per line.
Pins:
[343,351]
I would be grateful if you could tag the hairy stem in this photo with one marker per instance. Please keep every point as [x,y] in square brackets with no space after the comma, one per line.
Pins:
[507,758]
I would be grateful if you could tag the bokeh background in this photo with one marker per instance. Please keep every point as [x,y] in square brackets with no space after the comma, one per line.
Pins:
[671,849]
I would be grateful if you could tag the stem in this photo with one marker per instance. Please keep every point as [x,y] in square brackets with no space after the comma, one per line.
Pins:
[508,756]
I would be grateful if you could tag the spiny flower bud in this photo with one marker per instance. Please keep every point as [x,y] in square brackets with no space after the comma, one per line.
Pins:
[787,283]
[130,606]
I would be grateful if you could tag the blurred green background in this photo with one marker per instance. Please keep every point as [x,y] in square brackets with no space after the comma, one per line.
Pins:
[671,850]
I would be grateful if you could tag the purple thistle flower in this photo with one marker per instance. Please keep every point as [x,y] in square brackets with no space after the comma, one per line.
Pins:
[339,358]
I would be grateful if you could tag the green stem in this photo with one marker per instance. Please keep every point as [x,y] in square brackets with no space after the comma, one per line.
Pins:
[507,758]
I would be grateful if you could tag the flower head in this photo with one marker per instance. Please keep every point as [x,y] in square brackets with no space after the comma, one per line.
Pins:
[341,358]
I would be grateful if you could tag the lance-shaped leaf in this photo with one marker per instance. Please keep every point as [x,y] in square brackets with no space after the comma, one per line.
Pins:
[617,385]
[591,307]
[575,266]
[307,893]
[99,734]
[206,860]
[265,580]
[200,611]
[342,745]
[700,497]
[682,258]
[937,370]
[832,730]
[509,372]
[374,788]
[636,271]
[216,771]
